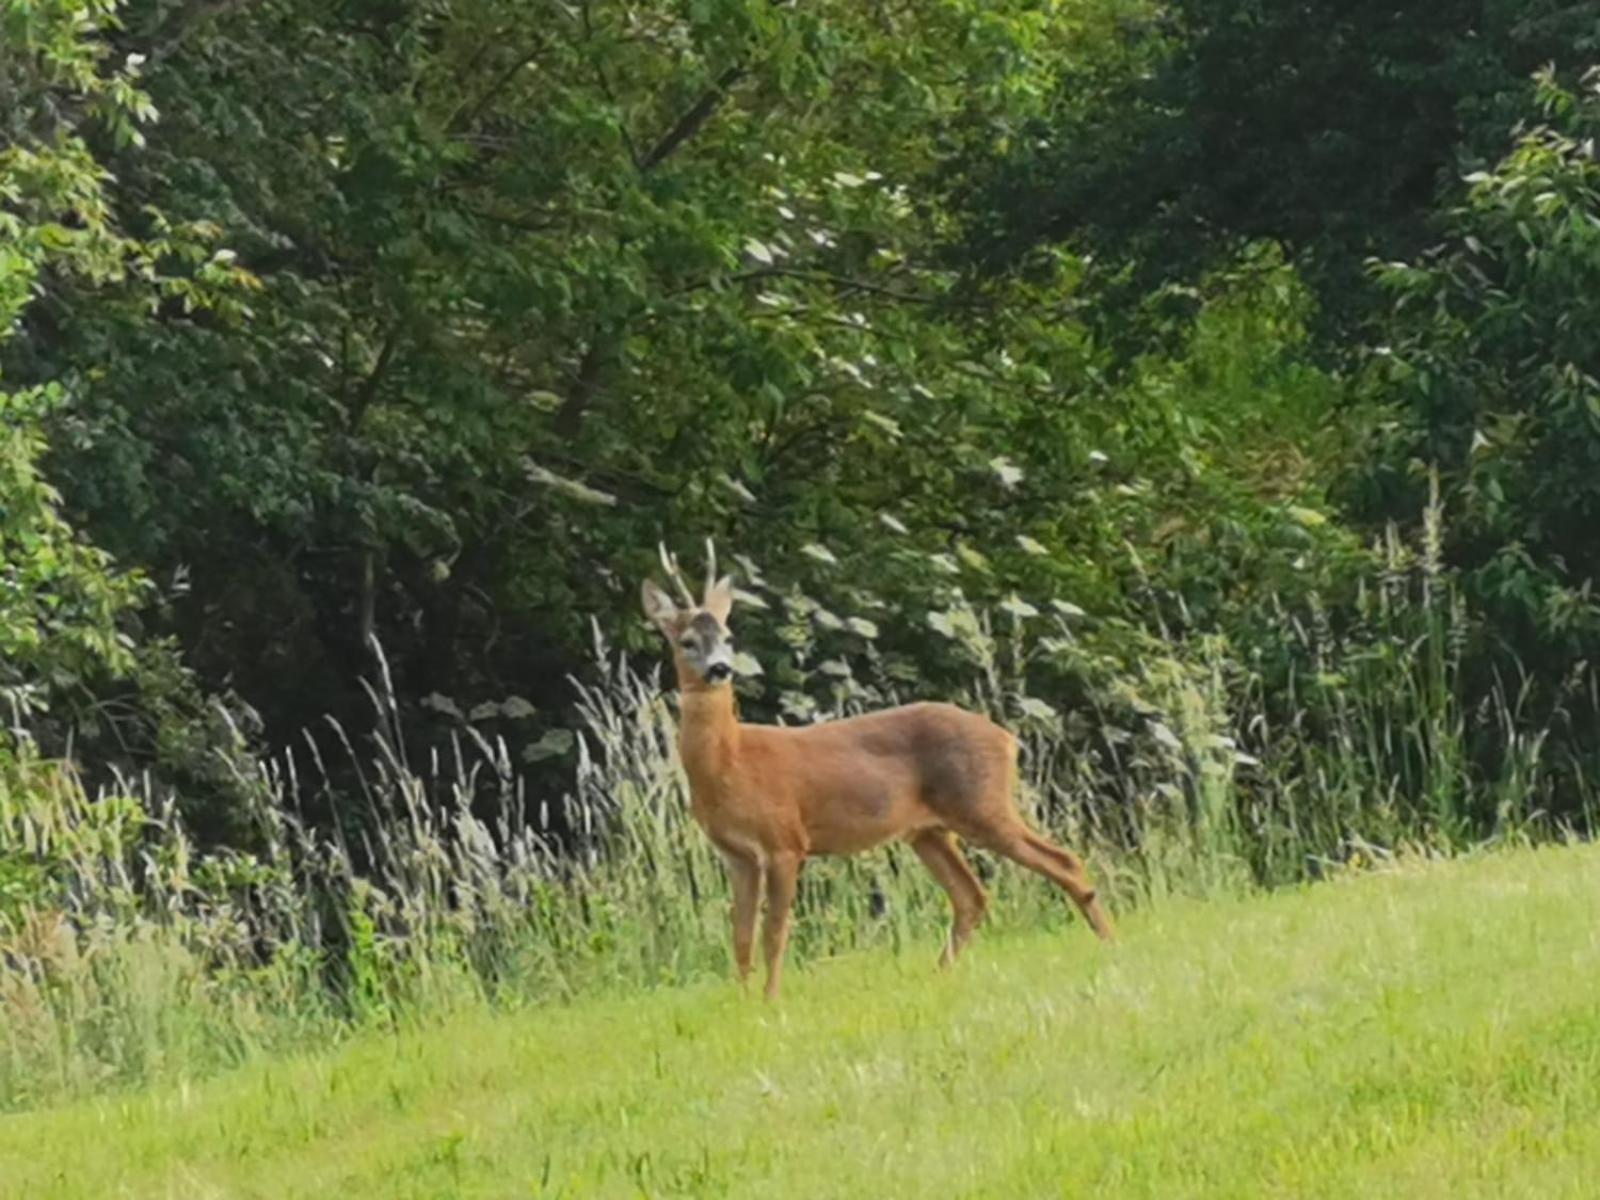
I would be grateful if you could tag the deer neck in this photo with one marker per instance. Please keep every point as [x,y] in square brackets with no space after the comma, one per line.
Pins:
[708,738]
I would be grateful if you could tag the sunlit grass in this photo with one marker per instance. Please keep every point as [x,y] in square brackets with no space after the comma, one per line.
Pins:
[1427,1031]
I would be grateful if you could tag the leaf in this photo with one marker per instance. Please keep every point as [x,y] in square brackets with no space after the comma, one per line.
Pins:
[443,704]
[1029,546]
[959,624]
[517,709]
[1166,737]
[1006,471]
[862,627]
[888,424]
[971,557]
[1018,607]
[1066,608]
[574,488]
[798,704]
[819,552]
[759,251]
[749,570]
[737,488]
[746,664]
[555,743]
[1037,710]
[889,521]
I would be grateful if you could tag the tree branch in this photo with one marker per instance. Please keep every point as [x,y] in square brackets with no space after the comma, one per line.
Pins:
[464,119]
[369,386]
[569,417]
[689,124]
[605,87]
[845,283]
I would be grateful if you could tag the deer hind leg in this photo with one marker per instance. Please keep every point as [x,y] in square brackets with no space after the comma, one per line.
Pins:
[938,852]
[745,876]
[783,872]
[1064,868]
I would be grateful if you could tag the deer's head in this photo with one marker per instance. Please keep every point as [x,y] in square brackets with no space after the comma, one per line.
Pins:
[697,633]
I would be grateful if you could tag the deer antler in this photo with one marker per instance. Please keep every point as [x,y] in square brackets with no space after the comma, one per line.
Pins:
[711,568]
[669,564]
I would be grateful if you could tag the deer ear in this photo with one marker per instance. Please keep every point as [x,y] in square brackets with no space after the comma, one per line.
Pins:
[658,606]
[719,598]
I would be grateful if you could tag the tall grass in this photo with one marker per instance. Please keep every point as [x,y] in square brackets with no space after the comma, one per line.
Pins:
[127,954]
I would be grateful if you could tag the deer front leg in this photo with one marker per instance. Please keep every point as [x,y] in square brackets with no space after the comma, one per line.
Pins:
[783,871]
[745,876]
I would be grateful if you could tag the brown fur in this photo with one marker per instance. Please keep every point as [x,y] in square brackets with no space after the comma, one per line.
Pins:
[770,797]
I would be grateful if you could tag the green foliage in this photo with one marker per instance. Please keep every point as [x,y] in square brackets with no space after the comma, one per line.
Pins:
[533,294]
[1331,126]
[59,597]
[68,635]
[1489,367]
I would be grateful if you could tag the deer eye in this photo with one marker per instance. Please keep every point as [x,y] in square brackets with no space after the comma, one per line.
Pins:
[687,643]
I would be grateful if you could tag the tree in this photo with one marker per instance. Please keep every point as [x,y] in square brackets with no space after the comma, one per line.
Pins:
[69,613]
[1330,126]
[1492,372]
[61,598]
[534,293]
[530,291]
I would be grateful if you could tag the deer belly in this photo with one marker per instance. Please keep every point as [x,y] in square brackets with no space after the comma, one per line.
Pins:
[859,818]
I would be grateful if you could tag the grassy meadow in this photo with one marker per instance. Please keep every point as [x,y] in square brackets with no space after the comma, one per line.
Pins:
[1429,1029]
[1229,438]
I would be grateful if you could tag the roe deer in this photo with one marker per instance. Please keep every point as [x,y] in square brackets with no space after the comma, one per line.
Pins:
[770,796]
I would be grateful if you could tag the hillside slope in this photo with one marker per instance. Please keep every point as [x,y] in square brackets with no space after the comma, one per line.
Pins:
[1430,1031]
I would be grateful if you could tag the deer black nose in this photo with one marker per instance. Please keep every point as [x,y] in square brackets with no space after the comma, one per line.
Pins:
[717,672]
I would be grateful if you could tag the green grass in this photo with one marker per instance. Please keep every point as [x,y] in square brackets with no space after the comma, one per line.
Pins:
[1430,1031]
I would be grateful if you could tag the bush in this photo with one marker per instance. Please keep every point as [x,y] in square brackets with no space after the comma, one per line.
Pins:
[1489,374]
